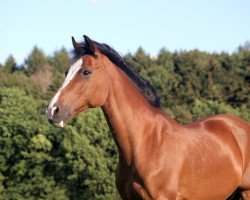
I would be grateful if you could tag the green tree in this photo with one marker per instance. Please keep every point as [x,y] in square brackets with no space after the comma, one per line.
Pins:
[38,161]
[20,80]
[10,64]
[61,61]
[24,149]
[36,60]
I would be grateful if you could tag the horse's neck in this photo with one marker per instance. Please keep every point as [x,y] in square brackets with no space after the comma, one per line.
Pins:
[127,113]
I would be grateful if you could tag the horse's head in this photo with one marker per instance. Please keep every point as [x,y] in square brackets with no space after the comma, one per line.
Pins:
[86,85]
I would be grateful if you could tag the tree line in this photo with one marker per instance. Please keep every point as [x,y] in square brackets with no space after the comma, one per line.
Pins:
[38,161]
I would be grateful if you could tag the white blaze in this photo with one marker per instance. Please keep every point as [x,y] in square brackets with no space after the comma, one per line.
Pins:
[71,73]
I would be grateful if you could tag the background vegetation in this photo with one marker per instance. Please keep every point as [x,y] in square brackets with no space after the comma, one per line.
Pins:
[38,161]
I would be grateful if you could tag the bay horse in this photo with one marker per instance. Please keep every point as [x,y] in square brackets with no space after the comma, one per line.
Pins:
[158,157]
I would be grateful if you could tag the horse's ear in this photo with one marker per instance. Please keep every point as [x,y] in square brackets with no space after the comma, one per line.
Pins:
[76,45]
[89,43]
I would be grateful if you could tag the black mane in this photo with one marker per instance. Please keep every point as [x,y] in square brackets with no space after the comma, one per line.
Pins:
[144,86]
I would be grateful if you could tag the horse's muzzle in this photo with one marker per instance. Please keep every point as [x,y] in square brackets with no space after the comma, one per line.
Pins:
[56,116]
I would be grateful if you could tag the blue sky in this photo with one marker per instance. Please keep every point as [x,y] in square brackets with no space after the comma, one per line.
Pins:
[209,25]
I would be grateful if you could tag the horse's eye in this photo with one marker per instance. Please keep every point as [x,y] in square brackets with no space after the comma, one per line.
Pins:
[86,72]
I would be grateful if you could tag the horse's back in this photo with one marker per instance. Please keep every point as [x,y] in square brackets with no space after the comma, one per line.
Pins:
[230,129]
[225,125]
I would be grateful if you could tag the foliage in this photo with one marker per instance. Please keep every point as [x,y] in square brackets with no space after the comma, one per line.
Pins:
[10,64]
[19,80]
[38,161]
[36,60]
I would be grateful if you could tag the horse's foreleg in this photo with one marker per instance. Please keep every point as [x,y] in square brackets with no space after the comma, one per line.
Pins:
[246,184]
[141,192]
[121,182]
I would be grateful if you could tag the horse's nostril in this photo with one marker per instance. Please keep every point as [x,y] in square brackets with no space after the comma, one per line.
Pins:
[56,110]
